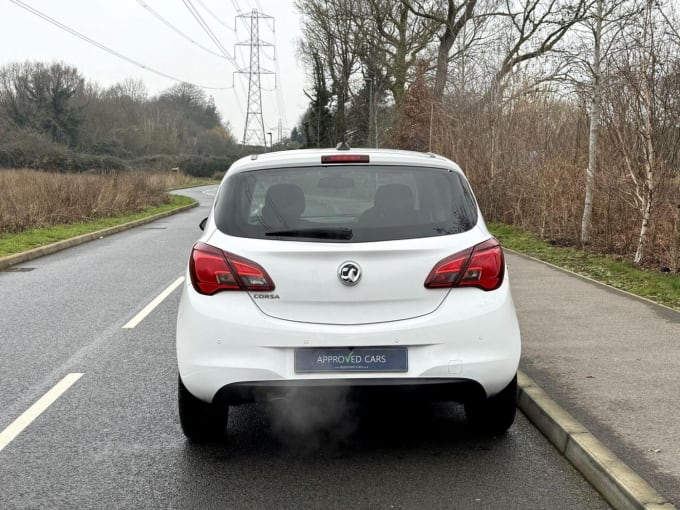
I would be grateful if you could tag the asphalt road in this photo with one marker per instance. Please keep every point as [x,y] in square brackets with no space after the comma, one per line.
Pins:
[112,439]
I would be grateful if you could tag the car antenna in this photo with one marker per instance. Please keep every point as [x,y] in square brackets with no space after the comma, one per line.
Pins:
[343,145]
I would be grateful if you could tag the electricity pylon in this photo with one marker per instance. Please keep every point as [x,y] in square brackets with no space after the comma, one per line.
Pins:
[254,128]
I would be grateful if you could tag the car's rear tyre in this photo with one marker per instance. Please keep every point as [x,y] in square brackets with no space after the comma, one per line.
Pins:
[201,421]
[494,415]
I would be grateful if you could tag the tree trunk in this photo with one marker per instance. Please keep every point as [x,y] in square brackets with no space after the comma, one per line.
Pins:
[442,65]
[595,115]
[453,27]
[648,186]
[647,133]
[644,229]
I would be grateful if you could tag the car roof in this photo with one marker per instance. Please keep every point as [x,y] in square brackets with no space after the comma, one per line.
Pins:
[312,157]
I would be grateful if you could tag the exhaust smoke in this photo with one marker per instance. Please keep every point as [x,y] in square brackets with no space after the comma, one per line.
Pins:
[313,419]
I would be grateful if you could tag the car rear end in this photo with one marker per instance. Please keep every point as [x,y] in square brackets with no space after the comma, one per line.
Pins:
[356,268]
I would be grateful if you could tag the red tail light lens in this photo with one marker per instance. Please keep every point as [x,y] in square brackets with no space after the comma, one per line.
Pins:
[481,266]
[213,270]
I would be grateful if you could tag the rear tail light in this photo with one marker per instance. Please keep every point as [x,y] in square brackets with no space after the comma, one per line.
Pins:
[481,266]
[213,270]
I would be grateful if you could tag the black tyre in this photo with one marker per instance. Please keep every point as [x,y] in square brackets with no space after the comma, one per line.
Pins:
[201,422]
[494,415]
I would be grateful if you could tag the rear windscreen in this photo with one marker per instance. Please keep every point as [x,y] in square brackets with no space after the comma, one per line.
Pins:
[345,203]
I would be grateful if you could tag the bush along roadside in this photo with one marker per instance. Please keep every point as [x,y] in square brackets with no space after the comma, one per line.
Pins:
[660,287]
[56,158]
[11,244]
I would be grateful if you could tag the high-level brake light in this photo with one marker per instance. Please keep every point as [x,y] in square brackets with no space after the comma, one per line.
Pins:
[481,266]
[213,270]
[344,158]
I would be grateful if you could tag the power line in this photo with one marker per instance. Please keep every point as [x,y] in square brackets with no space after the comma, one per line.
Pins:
[215,16]
[206,28]
[239,103]
[238,10]
[280,103]
[240,13]
[87,39]
[177,30]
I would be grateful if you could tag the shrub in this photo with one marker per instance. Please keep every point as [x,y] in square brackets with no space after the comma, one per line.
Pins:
[202,166]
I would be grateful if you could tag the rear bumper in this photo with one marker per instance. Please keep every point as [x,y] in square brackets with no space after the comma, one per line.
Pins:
[226,345]
[407,389]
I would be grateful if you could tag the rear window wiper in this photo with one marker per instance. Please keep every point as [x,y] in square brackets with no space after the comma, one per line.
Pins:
[315,232]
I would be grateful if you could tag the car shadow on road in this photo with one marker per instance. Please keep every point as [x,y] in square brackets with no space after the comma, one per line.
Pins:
[378,449]
[334,426]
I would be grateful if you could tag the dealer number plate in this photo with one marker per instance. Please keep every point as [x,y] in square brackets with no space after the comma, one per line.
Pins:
[360,359]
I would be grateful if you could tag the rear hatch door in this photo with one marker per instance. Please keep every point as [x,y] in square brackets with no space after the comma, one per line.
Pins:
[311,278]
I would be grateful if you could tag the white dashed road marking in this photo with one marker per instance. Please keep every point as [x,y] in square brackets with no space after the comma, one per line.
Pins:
[17,426]
[157,301]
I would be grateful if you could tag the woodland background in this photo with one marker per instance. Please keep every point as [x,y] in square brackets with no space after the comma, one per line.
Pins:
[52,118]
[565,114]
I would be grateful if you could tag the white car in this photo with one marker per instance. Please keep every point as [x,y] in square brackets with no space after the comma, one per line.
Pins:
[365,268]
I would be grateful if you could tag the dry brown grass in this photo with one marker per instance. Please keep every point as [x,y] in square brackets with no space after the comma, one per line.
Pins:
[32,199]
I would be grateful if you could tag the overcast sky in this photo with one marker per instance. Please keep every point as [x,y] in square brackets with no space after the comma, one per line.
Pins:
[127,27]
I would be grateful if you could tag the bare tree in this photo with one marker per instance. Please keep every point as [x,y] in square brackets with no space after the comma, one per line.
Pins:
[595,115]
[639,115]
[605,21]
[533,29]
[451,18]
[333,31]
[403,36]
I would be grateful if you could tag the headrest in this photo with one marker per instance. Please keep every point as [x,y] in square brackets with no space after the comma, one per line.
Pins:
[283,204]
[393,196]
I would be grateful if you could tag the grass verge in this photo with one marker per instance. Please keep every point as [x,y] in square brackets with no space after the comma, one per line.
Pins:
[17,243]
[660,287]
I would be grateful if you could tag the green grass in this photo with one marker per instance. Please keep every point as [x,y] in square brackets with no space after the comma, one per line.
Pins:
[17,243]
[657,286]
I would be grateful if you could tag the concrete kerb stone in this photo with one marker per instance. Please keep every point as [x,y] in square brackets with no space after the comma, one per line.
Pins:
[19,258]
[619,485]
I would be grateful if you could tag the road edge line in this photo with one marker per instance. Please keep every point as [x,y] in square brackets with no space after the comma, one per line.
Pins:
[48,249]
[614,480]
[20,424]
